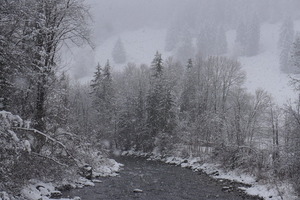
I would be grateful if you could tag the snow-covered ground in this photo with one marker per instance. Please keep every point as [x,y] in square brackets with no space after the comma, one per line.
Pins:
[44,191]
[262,70]
[140,46]
[36,189]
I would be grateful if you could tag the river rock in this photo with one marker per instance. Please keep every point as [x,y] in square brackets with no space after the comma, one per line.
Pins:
[55,194]
[86,171]
[96,181]
[227,188]
[138,191]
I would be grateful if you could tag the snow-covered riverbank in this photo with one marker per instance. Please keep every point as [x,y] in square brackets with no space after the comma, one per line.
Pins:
[47,191]
[152,180]
[267,189]
[16,147]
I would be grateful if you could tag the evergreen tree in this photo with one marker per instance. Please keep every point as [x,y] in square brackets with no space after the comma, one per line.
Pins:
[6,88]
[172,37]
[295,53]
[188,96]
[285,43]
[212,40]
[131,111]
[168,113]
[13,57]
[160,103]
[241,38]
[221,41]
[83,118]
[248,38]
[118,52]
[96,84]
[103,100]
[108,90]
[157,66]
[154,96]
[185,49]
[206,41]
[253,37]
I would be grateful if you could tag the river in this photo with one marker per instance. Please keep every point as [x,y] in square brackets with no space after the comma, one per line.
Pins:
[158,181]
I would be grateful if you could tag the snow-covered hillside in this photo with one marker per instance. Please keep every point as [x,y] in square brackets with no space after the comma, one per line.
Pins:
[262,70]
[140,47]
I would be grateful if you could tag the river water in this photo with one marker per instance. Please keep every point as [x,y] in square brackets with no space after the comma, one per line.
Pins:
[158,181]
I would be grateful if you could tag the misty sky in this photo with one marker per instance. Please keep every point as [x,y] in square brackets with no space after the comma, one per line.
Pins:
[130,14]
[112,17]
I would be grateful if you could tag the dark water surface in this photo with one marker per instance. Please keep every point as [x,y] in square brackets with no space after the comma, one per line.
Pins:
[158,181]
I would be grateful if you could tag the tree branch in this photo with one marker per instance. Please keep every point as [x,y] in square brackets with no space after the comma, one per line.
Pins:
[46,157]
[49,138]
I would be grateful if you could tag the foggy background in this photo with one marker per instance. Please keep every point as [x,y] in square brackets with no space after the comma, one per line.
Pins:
[113,17]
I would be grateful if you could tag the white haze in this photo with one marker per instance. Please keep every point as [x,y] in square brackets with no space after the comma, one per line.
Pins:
[115,18]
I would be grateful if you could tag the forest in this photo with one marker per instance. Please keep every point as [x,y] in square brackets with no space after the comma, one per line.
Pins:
[192,104]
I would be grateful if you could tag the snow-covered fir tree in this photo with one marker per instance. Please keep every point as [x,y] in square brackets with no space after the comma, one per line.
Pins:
[206,40]
[172,37]
[6,88]
[211,40]
[188,99]
[96,83]
[185,48]
[241,39]
[119,53]
[14,58]
[159,102]
[108,90]
[221,41]
[253,37]
[286,37]
[157,66]
[295,54]
[103,100]
[247,40]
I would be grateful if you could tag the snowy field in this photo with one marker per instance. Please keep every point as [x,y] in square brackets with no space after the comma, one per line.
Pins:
[140,46]
[262,70]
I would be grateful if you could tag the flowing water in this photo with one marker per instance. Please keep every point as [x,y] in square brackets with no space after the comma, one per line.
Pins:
[158,181]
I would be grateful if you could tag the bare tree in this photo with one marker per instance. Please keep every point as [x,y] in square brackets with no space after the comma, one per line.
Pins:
[50,25]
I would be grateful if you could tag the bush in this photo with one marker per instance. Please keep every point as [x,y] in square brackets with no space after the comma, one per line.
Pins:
[243,157]
[19,164]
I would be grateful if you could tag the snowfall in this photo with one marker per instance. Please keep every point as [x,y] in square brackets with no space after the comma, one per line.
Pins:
[38,190]
[262,72]
[276,190]
[44,191]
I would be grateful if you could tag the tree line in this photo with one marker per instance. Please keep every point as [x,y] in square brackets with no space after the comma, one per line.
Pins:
[169,107]
[166,107]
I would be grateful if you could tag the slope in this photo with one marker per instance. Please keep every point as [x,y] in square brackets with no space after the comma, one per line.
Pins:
[262,70]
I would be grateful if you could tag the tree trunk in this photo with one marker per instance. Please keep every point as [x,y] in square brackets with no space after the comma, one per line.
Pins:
[40,113]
